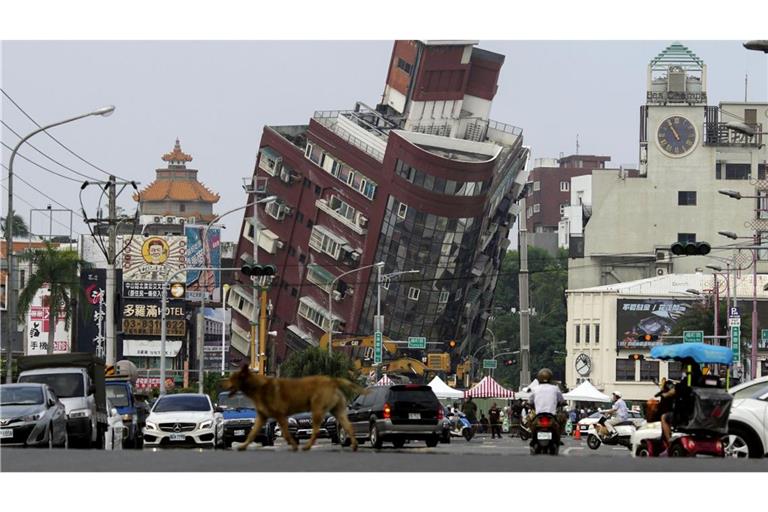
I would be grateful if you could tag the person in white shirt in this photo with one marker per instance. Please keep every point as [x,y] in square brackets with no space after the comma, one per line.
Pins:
[618,413]
[547,396]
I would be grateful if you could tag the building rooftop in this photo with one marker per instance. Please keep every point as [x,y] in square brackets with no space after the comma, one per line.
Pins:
[678,285]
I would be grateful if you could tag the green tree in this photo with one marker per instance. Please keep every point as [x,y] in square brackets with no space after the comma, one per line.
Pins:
[701,317]
[315,361]
[548,282]
[20,228]
[60,272]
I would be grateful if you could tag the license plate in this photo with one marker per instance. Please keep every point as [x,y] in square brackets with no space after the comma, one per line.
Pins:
[178,437]
[239,432]
[544,435]
[6,432]
[414,415]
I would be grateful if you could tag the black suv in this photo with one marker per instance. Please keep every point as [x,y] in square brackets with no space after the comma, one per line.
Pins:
[397,414]
[300,427]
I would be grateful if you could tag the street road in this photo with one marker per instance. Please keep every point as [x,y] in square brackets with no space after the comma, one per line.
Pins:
[480,454]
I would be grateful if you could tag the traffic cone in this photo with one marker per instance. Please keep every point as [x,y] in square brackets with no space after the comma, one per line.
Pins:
[577,433]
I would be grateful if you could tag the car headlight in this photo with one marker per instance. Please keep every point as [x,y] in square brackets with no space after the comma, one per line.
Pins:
[33,417]
[292,421]
[150,426]
[80,413]
[127,417]
[206,424]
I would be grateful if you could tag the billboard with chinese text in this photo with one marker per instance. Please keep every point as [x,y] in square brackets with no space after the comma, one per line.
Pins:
[154,258]
[39,325]
[636,317]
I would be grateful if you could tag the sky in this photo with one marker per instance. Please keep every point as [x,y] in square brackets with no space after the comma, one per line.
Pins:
[216,97]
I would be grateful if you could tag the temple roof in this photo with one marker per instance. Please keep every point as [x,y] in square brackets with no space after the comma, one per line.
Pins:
[177,155]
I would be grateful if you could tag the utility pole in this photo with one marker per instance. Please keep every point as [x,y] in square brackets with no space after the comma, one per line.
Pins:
[111,251]
[525,374]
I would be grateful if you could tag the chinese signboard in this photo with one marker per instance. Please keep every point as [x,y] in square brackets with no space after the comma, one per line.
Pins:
[693,336]
[142,290]
[636,317]
[154,258]
[150,348]
[205,283]
[91,332]
[39,325]
[145,319]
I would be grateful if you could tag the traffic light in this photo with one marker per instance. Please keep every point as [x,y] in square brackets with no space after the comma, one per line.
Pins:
[509,362]
[690,248]
[452,345]
[648,337]
[636,357]
[253,269]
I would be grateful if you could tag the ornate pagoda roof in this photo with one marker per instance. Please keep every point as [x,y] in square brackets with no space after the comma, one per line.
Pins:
[177,155]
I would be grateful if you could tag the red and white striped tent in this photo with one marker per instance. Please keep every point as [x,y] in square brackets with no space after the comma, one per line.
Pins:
[384,381]
[489,388]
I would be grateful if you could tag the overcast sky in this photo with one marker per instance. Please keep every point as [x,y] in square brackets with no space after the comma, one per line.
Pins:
[217,96]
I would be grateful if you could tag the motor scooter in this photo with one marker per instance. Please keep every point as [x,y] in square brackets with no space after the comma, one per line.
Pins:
[545,434]
[462,427]
[708,421]
[622,435]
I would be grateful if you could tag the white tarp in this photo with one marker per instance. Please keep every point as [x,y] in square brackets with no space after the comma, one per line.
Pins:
[443,390]
[586,392]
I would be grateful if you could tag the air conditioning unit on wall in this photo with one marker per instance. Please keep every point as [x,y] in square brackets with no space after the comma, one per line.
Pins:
[337,296]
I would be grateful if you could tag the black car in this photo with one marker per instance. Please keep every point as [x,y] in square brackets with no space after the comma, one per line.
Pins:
[239,416]
[300,427]
[396,414]
[32,415]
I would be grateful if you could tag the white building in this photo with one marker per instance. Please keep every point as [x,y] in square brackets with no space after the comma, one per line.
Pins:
[577,213]
[605,323]
[687,154]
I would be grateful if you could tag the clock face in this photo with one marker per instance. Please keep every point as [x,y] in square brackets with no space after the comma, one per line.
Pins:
[583,365]
[676,136]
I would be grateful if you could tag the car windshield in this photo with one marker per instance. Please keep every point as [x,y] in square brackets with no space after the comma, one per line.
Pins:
[65,385]
[182,403]
[118,395]
[236,401]
[27,395]
[753,391]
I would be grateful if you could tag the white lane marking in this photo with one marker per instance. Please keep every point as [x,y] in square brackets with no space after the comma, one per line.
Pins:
[617,448]
[568,450]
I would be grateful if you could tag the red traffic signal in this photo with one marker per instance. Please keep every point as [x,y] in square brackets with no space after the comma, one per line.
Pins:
[509,362]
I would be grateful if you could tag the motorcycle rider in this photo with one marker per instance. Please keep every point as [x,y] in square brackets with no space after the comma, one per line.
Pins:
[617,413]
[681,393]
[547,396]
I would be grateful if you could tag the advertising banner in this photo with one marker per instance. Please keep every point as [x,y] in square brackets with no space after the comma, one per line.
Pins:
[150,348]
[91,318]
[39,325]
[144,319]
[154,258]
[205,283]
[636,317]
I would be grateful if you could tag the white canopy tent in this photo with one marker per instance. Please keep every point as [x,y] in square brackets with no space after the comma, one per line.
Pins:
[586,392]
[443,390]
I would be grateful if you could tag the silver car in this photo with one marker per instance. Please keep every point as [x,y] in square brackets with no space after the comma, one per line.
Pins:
[32,415]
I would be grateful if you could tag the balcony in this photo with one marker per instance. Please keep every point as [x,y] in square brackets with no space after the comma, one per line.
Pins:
[330,119]
[718,134]
[323,205]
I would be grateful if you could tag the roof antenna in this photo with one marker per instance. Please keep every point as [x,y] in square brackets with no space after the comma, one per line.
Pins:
[577,143]
[746,81]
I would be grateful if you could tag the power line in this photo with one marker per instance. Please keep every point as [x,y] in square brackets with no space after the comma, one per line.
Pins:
[45,155]
[43,193]
[35,207]
[58,141]
[40,166]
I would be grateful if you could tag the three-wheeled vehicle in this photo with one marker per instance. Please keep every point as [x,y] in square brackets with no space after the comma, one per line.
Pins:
[707,421]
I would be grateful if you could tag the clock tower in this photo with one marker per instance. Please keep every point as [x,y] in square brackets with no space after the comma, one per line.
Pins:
[672,120]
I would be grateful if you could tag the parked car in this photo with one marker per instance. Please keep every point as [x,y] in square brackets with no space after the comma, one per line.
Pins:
[583,424]
[748,421]
[32,415]
[239,415]
[300,427]
[396,414]
[184,419]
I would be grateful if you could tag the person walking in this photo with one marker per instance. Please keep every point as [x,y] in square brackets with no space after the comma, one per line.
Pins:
[494,416]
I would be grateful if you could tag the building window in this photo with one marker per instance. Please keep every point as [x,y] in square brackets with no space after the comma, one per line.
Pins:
[578,334]
[313,314]
[310,224]
[405,66]
[402,210]
[686,238]
[625,370]
[320,277]
[321,241]
[597,333]
[444,295]
[182,207]
[674,369]
[294,292]
[367,188]
[565,186]
[308,150]
[385,282]
[302,258]
[649,370]
[562,209]
[762,254]
[318,190]
[529,212]
[536,208]
[350,178]
[732,171]
[413,293]
[586,334]
[686,198]
[536,186]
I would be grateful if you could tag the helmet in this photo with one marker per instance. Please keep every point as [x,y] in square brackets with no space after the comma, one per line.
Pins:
[617,393]
[544,375]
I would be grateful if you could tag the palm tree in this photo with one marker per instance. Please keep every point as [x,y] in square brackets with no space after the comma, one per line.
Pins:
[59,270]
[20,228]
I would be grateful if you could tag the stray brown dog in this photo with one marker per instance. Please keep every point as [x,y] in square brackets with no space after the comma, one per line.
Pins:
[279,398]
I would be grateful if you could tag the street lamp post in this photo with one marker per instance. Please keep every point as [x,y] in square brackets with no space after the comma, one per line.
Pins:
[11,301]
[224,289]
[481,347]
[330,300]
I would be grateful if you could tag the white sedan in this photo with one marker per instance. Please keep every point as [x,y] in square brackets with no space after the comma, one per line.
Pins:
[748,421]
[183,419]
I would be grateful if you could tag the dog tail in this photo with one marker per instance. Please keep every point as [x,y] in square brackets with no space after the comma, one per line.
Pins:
[349,387]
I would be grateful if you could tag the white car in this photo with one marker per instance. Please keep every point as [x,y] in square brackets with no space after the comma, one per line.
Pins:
[183,419]
[748,421]
[585,423]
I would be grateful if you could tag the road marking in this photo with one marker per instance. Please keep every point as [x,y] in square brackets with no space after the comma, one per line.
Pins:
[568,450]
[618,448]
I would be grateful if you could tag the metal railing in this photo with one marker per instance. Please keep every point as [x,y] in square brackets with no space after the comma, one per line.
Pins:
[328,118]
